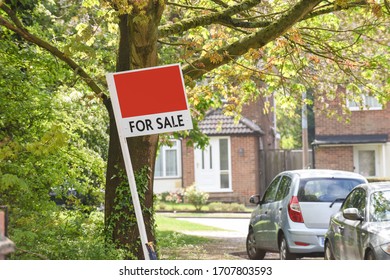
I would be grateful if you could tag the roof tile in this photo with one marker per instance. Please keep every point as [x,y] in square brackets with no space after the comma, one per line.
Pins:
[216,123]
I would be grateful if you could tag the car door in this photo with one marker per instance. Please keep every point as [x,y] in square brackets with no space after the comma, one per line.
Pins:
[351,230]
[276,209]
[262,227]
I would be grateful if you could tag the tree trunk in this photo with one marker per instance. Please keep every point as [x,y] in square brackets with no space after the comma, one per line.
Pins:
[137,49]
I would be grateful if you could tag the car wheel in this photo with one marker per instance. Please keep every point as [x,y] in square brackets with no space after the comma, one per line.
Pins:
[328,252]
[284,250]
[370,256]
[253,252]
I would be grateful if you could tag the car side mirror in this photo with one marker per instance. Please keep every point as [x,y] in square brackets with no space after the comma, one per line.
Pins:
[352,214]
[255,199]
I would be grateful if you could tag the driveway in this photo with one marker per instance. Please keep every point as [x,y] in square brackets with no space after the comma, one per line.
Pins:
[230,240]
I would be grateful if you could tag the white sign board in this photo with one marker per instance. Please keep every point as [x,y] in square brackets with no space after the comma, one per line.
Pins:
[149,101]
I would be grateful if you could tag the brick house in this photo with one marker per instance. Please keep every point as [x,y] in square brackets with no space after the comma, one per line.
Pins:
[361,145]
[229,168]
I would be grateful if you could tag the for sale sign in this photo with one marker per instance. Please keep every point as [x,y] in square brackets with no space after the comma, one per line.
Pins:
[150,100]
[147,101]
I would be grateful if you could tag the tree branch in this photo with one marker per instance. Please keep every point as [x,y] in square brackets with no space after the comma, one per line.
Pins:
[19,29]
[187,24]
[231,22]
[257,40]
[190,7]
[333,8]
[221,3]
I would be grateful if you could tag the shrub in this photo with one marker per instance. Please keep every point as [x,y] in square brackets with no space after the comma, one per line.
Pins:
[195,197]
[64,235]
[173,197]
[217,207]
[236,207]
[226,207]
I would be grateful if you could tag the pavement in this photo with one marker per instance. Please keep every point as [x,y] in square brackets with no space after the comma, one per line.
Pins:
[231,227]
[234,227]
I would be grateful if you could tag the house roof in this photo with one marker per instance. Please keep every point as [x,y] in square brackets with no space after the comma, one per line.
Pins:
[350,139]
[216,123]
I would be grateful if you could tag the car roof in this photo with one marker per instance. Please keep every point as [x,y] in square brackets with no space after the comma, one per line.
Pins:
[376,186]
[320,173]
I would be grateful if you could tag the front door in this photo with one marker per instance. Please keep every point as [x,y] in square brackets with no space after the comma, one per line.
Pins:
[212,166]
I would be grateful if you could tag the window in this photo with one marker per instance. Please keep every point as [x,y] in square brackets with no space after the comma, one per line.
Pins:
[380,206]
[356,199]
[270,193]
[224,163]
[284,188]
[168,163]
[325,189]
[365,102]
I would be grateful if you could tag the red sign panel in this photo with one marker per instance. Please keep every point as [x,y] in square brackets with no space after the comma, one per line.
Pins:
[150,91]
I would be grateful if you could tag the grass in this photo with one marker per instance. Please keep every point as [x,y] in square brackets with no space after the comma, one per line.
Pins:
[175,245]
[165,223]
[172,244]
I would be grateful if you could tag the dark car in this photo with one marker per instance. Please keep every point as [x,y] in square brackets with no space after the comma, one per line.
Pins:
[361,229]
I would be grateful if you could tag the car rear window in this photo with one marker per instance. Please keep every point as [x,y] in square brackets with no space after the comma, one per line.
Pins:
[325,189]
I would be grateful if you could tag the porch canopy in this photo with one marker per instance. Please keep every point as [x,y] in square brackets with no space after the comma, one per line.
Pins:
[350,139]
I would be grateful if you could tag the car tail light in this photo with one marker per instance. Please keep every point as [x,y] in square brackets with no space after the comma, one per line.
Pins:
[294,210]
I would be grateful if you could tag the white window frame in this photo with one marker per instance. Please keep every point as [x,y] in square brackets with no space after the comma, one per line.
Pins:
[354,106]
[162,153]
[229,163]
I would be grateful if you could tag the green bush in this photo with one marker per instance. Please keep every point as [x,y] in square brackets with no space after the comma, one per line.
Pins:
[217,207]
[64,235]
[226,207]
[195,197]
[236,207]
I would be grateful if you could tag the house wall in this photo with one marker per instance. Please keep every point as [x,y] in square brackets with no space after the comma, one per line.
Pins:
[357,123]
[339,157]
[361,122]
[245,166]
[245,169]
[188,164]
[161,185]
[254,111]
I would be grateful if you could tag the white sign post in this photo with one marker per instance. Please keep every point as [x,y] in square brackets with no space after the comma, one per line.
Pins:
[147,101]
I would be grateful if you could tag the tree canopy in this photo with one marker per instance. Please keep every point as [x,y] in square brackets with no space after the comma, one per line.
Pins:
[54,56]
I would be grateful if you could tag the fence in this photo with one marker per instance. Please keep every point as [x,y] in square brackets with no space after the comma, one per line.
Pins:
[273,162]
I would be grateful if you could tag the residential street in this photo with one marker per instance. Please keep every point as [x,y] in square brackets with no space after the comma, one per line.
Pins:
[231,239]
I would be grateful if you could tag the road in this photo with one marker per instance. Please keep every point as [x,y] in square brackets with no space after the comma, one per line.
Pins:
[233,230]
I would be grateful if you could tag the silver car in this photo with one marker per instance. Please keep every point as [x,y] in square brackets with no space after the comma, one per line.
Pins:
[293,215]
[361,229]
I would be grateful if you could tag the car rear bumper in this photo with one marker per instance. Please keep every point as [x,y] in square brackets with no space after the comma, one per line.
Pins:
[306,241]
